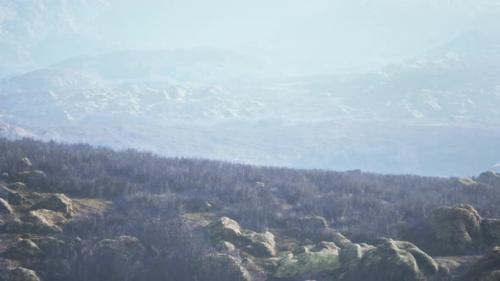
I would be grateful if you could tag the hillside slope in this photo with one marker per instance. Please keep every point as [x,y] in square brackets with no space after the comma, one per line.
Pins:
[74,212]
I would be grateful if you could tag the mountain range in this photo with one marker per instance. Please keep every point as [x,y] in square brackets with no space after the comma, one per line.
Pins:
[437,114]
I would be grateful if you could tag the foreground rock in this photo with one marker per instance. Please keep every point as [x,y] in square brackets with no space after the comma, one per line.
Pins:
[486,269]
[220,267]
[256,244]
[457,230]
[393,261]
[322,258]
[57,202]
[119,258]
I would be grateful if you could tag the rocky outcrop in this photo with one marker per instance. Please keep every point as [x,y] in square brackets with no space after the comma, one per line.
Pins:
[254,243]
[486,269]
[393,261]
[322,258]
[457,230]
[57,202]
[219,267]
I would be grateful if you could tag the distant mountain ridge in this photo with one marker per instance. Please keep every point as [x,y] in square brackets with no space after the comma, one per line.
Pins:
[211,103]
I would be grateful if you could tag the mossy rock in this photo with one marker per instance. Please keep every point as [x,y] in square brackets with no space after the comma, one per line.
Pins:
[313,259]
[394,261]
[56,202]
[254,243]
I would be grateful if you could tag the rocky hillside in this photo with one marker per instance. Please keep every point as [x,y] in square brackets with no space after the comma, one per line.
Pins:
[78,213]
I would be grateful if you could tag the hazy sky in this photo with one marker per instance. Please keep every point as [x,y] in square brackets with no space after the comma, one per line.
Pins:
[322,34]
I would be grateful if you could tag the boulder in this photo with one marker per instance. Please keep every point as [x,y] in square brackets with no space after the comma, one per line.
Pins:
[119,258]
[23,249]
[56,202]
[5,207]
[19,274]
[258,244]
[323,258]
[351,255]
[35,178]
[43,221]
[394,261]
[26,162]
[457,230]
[254,243]
[219,267]
[225,229]
[485,269]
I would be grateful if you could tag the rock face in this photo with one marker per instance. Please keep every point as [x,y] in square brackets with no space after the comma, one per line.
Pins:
[313,259]
[56,202]
[5,207]
[486,269]
[115,259]
[257,244]
[393,261]
[457,229]
[19,274]
[219,267]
